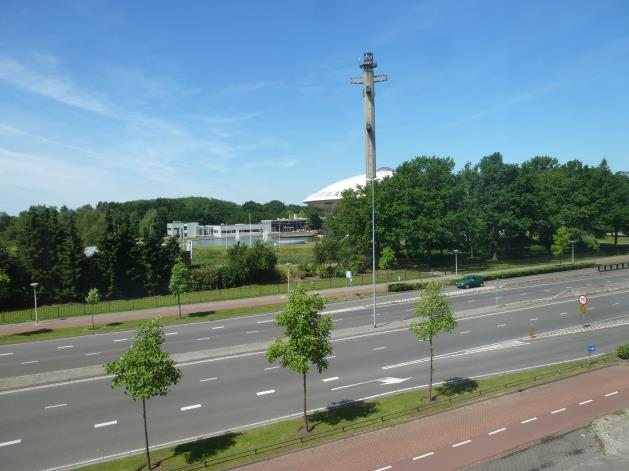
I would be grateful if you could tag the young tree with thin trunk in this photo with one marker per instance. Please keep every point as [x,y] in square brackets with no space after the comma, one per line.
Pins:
[307,335]
[145,370]
[180,282]
[434,316]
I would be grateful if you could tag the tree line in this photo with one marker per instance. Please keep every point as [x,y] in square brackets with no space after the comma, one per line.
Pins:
[486,209]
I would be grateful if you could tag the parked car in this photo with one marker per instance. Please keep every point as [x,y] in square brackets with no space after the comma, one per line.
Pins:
[470,281]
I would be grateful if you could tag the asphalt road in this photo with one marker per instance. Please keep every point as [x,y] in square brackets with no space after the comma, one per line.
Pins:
[74,352]
[55,426]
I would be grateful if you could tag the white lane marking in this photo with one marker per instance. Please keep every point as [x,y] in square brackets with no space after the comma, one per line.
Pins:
[252,332]
[29,362]
[558,410]
[106,424]
[219,327]
[265,322]
[6,354]
[465,332]
[528,420]
[204,338]
[65,346]
[615,304]
[264,393]
[497,431]
[120,340]
[585,402]
[472,301]
[425,455]
[12,442]
[271,368]
[563,314]
[333,378]
[207,379]
[93,353]
[171,333]
[330,357]
[195,406]
[534,319]
[379,348]
[523,294]
[383,469]
[55,406]
[546,291]
[501,325]
[611,394]
[461,443]
[338,320]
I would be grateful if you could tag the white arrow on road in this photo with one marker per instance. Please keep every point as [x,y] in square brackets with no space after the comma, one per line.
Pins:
[383,382]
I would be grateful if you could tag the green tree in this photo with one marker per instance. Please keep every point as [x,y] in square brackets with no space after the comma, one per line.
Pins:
[434,316]
[561,241]
[307,337]
[387,258]
[4,283]
[145,370]
[71,264]
[93,298]
[180,282]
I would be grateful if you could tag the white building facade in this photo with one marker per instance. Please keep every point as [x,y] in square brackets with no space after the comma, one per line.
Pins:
[263,229]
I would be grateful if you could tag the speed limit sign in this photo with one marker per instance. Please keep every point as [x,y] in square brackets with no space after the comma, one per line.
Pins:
[583,299]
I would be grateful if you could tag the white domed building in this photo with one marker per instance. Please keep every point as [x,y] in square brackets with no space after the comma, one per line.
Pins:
[327,198]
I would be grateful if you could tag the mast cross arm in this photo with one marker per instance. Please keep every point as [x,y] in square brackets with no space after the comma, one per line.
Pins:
[357,80]
[379,78]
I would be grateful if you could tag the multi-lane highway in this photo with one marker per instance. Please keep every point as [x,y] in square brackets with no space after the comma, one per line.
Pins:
[57,425]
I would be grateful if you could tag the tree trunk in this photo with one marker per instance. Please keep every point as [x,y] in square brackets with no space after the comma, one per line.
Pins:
[179,304]
[146,435]
[305,413]
[616,239]
[430,382]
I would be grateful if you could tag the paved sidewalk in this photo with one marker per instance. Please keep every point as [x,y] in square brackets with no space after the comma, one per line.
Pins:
[472,433]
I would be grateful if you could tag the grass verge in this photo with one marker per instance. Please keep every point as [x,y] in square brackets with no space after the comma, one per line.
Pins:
[240,447]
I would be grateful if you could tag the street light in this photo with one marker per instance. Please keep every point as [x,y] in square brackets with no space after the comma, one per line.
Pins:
[456,261]
[34,286]
[288,271]
[572,242]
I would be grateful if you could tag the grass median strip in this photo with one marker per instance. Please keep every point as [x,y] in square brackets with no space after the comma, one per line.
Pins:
[245,446]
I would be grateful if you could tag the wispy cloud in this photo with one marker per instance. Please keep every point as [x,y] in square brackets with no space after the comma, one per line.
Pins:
[55,87]
[280,162]
[234,118]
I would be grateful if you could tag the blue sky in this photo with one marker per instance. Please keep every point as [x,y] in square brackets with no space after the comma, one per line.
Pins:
[251,100]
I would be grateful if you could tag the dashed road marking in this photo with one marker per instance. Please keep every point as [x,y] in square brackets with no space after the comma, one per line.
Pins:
[534,319]
[219,327]
[383,469]
[264,393]
[465,332]
[615,304]
[6,354]
[65,346]
[207,379]
[252,332]
[120,340]
[195,406]
[461,443]
[92,354]
[12,442]
[106,424]
[204,338]
[611,394]
[330,357]
[528,420]
[171,333]
[585,402]
[265,322]
[501,325]
[497,431]
[271,368]
[379,348]
[563,314]
[558,410]
[425,455]
[29,362]
[333,378]
[55,406]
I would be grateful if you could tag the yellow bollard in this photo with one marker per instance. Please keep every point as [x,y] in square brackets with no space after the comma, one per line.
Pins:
[532,330]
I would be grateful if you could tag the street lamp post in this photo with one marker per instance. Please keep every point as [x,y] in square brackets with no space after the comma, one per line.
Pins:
[34,286]
[288,271]
[572,243]
[456,261]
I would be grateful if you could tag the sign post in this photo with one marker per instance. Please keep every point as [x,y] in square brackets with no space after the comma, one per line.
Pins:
[583,307]
[497,287]
[591,349]
[348,276]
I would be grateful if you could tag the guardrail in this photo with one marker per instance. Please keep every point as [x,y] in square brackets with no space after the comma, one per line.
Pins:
[365,424]
[612,266]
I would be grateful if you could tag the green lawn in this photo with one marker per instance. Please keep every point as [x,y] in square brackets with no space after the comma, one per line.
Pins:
[245,446]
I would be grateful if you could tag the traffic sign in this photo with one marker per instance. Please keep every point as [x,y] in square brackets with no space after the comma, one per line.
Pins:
[583,299]
[591,348]
[583,308]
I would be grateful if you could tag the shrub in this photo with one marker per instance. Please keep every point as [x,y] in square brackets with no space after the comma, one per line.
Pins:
[623,351]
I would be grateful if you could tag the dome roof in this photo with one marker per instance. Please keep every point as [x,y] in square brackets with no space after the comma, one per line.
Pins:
[328,197]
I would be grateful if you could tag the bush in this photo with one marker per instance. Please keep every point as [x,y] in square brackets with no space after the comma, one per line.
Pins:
[399,287]
[623,351]
[206,278]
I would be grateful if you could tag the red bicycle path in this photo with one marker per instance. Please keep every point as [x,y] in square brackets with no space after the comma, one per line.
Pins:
[470,434]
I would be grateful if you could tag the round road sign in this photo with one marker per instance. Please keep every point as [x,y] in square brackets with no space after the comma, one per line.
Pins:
[583,299]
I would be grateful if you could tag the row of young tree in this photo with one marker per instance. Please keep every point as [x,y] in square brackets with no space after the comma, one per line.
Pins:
[153,215]
[484,209]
